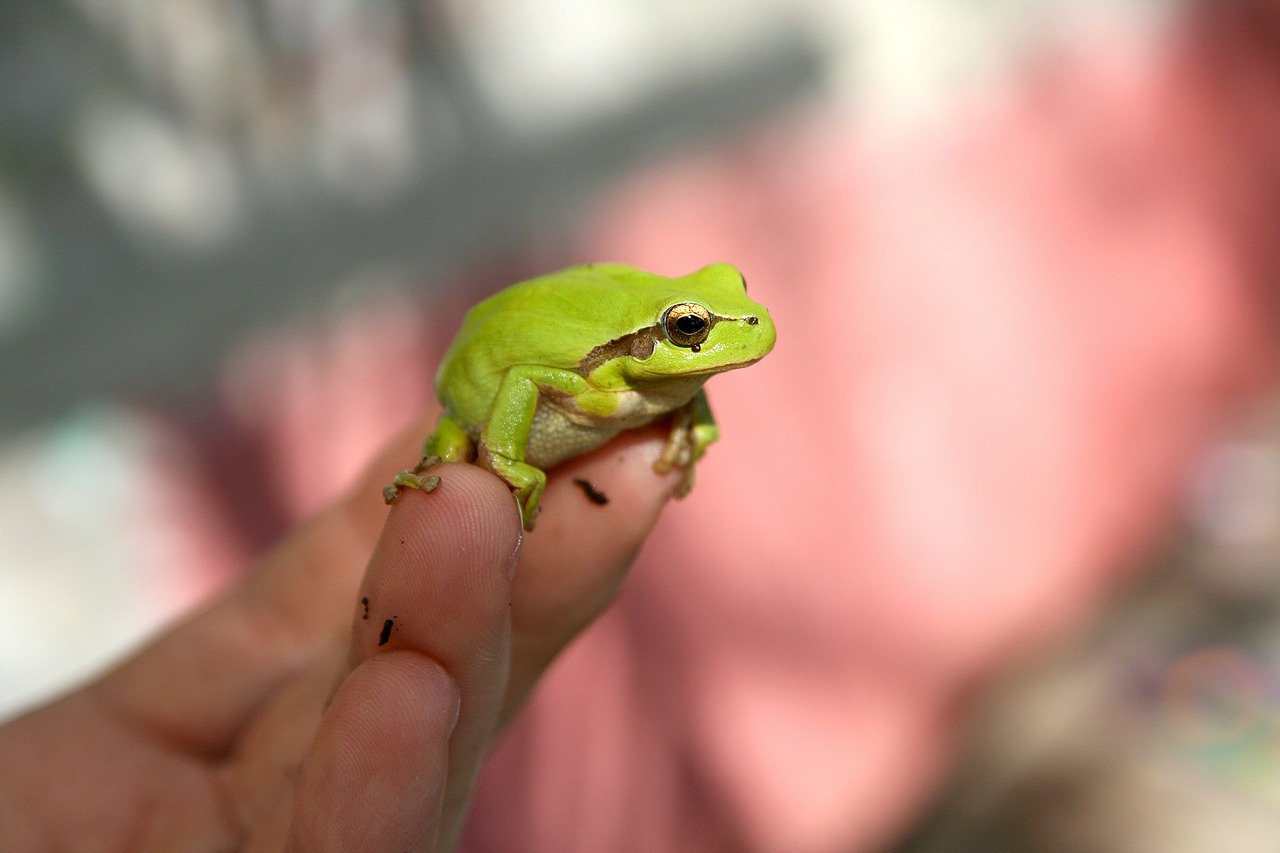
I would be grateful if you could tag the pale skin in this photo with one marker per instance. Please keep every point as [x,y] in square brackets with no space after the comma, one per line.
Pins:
[275,720]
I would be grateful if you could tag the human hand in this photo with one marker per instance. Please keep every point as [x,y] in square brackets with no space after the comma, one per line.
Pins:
[275,720]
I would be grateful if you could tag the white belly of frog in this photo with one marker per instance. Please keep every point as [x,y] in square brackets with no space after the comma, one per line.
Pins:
[560,430]
[555,437]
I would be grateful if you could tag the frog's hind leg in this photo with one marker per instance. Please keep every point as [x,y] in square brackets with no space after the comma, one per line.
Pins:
[412,479]
[449,443]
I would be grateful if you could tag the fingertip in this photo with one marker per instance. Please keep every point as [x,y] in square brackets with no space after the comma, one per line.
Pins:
[467,499]
[462,538]
[439,580]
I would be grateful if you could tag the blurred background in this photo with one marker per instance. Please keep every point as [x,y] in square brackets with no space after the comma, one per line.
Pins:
[183,176]
[199,199]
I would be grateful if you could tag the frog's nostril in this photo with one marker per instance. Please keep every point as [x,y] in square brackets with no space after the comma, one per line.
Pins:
[751,321]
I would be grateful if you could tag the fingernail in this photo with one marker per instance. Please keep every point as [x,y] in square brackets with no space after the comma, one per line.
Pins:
[457,712]
[515,556]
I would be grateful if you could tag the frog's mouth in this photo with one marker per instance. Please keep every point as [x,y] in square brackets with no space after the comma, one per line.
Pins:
[693,372]
[721,367]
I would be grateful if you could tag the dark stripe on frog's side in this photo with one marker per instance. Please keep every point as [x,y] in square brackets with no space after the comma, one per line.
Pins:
[639,345]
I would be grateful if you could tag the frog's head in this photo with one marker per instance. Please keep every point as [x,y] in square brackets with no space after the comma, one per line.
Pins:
[694,326]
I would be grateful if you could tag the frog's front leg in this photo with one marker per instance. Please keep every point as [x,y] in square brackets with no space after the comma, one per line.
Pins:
[506,432]
[693,429]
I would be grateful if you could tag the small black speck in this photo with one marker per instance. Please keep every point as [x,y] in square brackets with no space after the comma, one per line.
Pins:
[386,632]
[364,602]
[593,494]
[401,541]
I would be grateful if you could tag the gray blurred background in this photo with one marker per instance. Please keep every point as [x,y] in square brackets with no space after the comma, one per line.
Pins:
[175,173]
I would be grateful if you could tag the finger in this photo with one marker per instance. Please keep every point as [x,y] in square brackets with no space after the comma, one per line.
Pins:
[573,564]
[439,586]
[197,685]
[375,778]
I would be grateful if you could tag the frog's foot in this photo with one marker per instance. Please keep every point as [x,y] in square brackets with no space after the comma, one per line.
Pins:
[678,451]
[685,485]
[525,480]
[529,517]
[413,479]
[686,442]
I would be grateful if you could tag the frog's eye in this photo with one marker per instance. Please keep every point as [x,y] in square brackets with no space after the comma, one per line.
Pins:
[687,324]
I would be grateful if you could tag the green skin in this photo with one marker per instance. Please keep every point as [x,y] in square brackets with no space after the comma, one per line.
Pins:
[554,367]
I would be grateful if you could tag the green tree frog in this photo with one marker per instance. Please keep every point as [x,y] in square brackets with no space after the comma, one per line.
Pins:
[551,368]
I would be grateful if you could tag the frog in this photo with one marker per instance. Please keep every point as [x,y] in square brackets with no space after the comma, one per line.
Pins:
[556,366]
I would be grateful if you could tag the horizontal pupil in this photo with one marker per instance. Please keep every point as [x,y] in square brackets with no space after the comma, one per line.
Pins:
[689,324]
